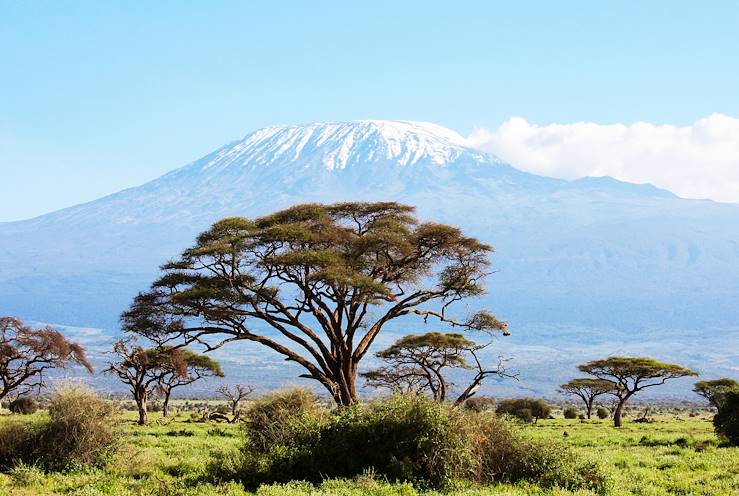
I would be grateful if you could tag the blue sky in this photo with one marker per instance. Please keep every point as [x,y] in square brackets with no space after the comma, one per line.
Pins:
[98,96]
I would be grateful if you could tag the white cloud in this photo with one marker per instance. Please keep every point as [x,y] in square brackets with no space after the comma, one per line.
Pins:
[696,161]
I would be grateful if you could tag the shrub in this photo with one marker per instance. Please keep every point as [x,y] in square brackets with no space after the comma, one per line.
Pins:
[269,418]
[602,412]
[525,409]
[570,412]
[409,439]
[480,403]
[23,405]
[79,431]
[726,422]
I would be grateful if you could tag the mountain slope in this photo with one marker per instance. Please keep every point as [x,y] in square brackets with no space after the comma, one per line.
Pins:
[589,254]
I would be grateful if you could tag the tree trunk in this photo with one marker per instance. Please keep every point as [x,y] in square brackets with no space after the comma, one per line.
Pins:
[589,408]
[618,413]
[234,407]
[343,384]
[141,400]
[165,405]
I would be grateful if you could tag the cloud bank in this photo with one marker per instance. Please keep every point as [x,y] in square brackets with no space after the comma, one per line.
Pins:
[696,161]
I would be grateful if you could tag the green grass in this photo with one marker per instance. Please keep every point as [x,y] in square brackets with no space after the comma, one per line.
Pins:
[676,455]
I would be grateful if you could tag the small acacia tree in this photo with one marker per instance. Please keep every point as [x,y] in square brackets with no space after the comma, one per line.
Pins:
[314,274]
[147,370]
[715,391]
[631,375]
[138,368]
[27,353]
[587,389]
[235,395]
[418,363]
[181,367]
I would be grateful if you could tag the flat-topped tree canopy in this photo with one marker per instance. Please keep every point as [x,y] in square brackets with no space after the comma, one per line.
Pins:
[418,363]
[633,374]
[588,389]
[715,390]
[314,272]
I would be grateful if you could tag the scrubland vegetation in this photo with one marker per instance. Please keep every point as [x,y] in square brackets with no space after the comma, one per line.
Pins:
[289,444]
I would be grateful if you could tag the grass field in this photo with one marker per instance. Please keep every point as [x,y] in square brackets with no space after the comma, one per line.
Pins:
[676,454]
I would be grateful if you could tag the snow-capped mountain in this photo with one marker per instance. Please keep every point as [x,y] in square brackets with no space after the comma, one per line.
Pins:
[592,262]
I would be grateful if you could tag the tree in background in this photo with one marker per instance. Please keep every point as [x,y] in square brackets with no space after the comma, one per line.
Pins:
[726,422]
[631,375]
[526,409]
[418,363]
[27,353]
[587,389]
[314,273]
[715,391]
[137,367]
[181,367]
[235,395]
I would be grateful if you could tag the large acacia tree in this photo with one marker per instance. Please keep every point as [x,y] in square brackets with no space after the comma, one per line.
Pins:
[631,375]
[28,353]
[326,278]
[420,363]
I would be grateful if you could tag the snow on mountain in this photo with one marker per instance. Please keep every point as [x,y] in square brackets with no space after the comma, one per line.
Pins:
[588,263]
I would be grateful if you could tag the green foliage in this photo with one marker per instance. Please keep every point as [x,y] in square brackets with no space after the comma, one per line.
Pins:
[23,405]
[602,412]
[715,391]
[480,403]
[630,373]
[570,412]
[405,438]
[79,430]
[524,409]
[726,422]
[269,419]
[152,463]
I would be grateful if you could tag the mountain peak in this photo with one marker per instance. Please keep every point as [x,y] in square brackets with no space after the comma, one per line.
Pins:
[342,145]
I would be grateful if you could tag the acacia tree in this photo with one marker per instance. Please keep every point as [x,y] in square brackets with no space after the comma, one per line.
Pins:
[181,367]
[138,368]
[631,375]
[418,363]
[148,370]
[314,274]
[26,354]
[587,389]
[235,396]
[715,391]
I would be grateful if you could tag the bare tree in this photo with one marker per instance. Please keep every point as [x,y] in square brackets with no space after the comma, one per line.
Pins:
[234,396]
[27,353]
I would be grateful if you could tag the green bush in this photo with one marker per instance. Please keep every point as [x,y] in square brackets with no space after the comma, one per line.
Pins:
[79,430]
[726,423]
[23,405]
[409,439]
[602,412]
[269,418]
[525,409]
[480,403]
[570,412]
